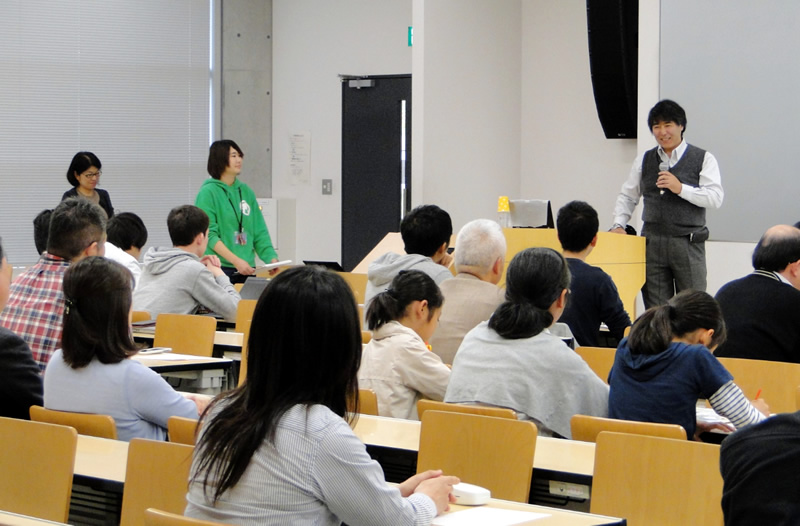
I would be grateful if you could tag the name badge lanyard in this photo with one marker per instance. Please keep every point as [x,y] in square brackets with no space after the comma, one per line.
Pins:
[241,235]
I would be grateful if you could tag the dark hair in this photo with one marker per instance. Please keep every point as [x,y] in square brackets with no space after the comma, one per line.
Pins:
[41,229]
[577,225]
[304,348]
[536,277]
[184,223]
[685,312]
[667,111]
[97,293]
[219,156]
[2,254]
[407,287]
[75,224]
[776,249]
[127,230]
[80,163]
[424,229]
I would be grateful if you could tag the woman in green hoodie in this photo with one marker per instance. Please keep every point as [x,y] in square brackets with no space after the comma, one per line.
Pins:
[237,231]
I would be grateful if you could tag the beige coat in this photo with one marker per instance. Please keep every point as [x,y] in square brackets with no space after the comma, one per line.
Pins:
[398,366]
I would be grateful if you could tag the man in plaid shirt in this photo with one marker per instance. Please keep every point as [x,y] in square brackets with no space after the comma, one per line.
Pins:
[36,302]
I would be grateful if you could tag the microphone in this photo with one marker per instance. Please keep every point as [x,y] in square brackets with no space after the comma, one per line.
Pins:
[663,167]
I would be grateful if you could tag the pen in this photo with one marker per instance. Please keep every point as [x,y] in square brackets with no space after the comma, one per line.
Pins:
[758,394]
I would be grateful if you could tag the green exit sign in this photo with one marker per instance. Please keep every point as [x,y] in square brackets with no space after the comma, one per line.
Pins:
[410,36]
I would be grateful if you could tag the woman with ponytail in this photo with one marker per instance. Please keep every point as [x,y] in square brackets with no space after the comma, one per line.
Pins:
[397,363]
[513,361]
[666,365]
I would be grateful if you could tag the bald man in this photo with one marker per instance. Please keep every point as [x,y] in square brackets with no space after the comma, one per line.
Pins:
[762,310]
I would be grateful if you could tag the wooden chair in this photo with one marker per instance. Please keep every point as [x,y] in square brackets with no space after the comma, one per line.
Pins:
[154,517]
[797,396]
[358,284]
[485,410]
[186,333]
[245,330]
[496,453]
[656,481]
[156,477]
[102,426]
[777,381]
[140,315]
[367,402]
[586,428]
[36,465]
[182,430]
[238,287]
[599,359]
[366,337]
[244,313]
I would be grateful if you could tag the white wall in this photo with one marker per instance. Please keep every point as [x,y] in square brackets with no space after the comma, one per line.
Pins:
[313,42]
[565,154]
[466,92]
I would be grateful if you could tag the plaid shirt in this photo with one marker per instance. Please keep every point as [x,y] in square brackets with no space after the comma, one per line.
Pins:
[36,306]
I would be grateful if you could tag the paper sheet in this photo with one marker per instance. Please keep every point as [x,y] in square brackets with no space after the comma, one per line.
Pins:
[485,515]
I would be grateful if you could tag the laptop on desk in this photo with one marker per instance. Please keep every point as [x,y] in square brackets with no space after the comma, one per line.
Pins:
[253,287]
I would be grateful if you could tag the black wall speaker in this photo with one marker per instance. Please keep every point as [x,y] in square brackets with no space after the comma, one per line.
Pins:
[613,58]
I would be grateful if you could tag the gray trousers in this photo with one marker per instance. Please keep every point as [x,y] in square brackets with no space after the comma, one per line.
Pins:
[673,264]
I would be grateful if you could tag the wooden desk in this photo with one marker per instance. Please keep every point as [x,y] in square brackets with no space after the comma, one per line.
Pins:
[221,338]
[561,475]
[206,375]
[12,519]
[100,463]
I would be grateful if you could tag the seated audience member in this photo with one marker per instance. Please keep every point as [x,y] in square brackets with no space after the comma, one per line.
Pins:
[513,361]
[426,232]
[279,449]
[93,372]
[593,296]
[759,467]
[126,237]
[666,365]
[473,295]
[181,279]
[762,310]
[20,381]
[41,228]
[397,363]
[36,303]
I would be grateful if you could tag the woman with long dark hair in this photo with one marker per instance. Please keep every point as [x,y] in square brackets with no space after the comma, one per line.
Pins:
[93,372]
[279,450]
[513,361]
[666,365]
[397,363]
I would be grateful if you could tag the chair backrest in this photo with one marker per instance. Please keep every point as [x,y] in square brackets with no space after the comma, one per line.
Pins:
[182,430]
[245,330]
[36,466]
[656,481]
[797,396]
[367,402]
[95,425]
[366,337]
[496,453]
[244,313]
[140,315]
[586,428]
[154,517]
[777,381]
[358,284]
[157,476]
[186,333]
[498,412]
[599,359]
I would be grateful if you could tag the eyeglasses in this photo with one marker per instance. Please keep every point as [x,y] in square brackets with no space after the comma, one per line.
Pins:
[94,175]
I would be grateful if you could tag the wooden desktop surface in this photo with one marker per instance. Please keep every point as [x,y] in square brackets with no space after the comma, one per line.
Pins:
[12,519]
[101,459]
[168,361]
[552,454]
[222,338]
[557,517]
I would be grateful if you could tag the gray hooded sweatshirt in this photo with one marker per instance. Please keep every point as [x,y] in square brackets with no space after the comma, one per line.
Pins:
[175,281]
[383,270]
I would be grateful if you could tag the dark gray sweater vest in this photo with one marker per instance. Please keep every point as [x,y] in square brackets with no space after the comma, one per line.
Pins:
[669,214]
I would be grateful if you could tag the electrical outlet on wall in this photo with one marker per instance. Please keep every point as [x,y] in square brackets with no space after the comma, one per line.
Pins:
[327,187]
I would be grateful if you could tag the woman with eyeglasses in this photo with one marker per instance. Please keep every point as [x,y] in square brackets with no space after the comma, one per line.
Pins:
[84,176]
[513,361]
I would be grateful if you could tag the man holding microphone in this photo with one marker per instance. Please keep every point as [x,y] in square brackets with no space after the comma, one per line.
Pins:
[678,181]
